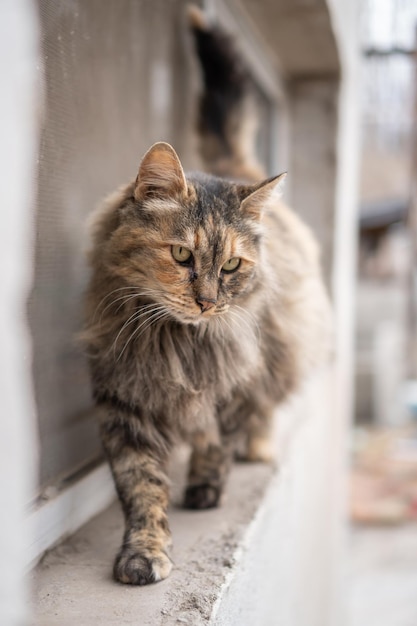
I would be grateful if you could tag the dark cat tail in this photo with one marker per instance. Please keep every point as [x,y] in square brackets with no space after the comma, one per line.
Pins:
[227,122]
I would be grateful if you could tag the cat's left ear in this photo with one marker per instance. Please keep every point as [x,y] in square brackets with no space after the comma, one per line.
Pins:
[160,174]
[255,197]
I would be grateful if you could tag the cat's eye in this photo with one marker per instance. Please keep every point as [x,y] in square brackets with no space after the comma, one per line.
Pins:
[231,265]
[181,254]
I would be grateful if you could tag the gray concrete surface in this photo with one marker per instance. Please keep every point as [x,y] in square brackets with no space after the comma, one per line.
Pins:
[247,563]
[73,585]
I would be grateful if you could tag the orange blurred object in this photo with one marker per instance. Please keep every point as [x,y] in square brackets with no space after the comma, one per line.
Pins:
[384,477]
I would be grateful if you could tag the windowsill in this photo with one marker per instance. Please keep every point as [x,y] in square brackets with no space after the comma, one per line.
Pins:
[245,563]
[73,582]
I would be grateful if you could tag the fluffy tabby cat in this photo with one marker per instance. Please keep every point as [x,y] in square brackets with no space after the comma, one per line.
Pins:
[205,310]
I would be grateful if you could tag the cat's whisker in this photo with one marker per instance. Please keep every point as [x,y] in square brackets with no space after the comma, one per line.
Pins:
[218,321]
[136,316]
[154,317]
[240,318]
[253,329]
[252,318]
[135,330]
[228,325]
[108,296]
[246,312]
[125,298]
[144,292]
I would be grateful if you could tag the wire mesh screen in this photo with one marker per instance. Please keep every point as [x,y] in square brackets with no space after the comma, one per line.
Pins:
[116,77]
[114,81]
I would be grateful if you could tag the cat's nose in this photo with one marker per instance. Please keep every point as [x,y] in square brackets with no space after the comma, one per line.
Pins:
[206,304]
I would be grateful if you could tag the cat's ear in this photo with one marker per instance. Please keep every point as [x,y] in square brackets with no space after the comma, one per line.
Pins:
[255,197]
[160,174]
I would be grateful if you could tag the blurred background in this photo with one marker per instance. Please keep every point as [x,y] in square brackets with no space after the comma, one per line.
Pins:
[87,87]
[386,272]
[384,444]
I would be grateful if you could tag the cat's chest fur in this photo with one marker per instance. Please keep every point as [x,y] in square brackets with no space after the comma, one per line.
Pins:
[182,372]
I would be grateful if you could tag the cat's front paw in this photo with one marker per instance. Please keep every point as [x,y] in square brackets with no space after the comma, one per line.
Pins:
[204,496]
[133,568]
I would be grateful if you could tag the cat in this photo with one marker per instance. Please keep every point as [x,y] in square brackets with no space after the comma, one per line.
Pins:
[205,310]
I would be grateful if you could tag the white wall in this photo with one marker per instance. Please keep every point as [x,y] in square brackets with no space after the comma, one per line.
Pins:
[19,39]
[345,18]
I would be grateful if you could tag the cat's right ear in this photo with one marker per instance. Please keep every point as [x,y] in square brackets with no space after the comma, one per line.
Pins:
[160,174]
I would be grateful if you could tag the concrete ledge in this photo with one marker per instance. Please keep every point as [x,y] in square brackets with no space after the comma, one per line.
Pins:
[73,583]
[67,511]
[248,563]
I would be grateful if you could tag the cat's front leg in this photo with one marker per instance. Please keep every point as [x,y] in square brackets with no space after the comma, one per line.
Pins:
[210,463]
[137,458]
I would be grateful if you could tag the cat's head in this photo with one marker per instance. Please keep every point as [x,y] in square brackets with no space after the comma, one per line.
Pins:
[191,244]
